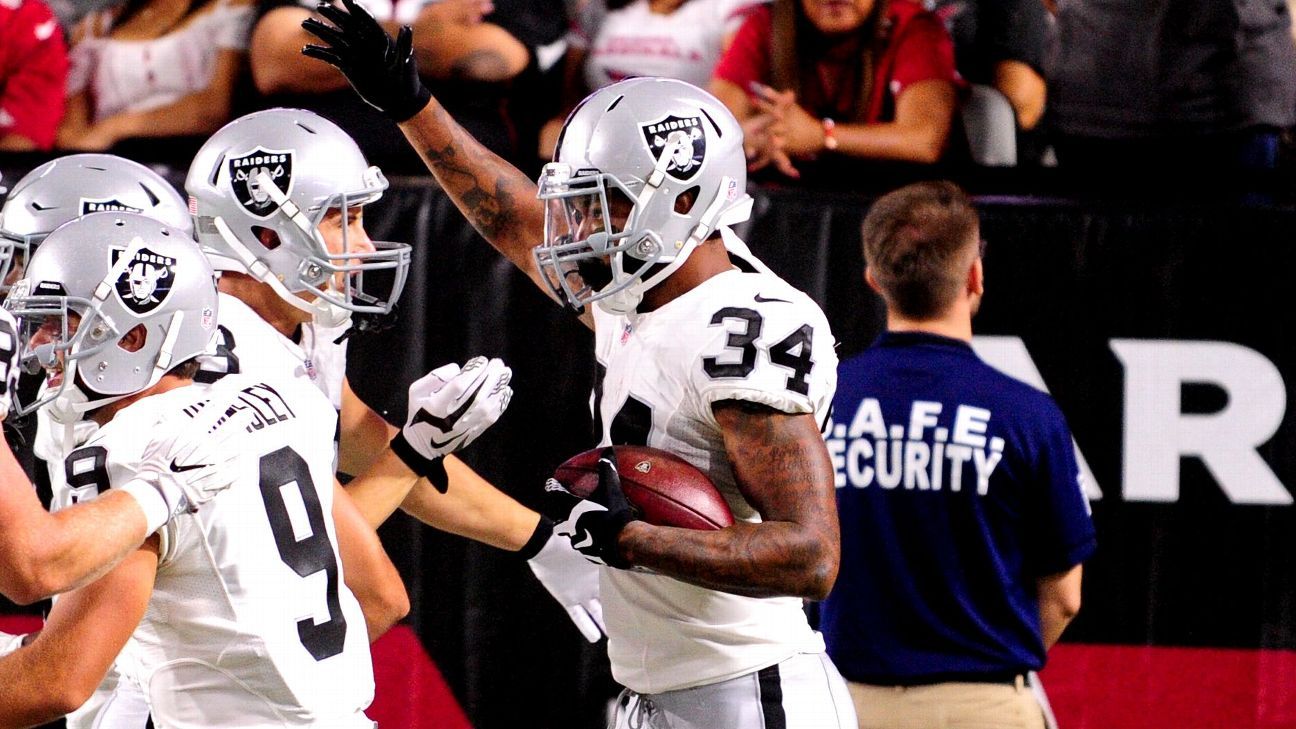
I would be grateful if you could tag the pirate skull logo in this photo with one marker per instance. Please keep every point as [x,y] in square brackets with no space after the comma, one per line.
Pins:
[251,174]
[682,140]
[146,281]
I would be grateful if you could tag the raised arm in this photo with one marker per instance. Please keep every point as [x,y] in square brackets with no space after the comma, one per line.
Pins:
[496,197]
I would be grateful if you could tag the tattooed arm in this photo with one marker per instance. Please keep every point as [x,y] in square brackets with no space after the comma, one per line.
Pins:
[783,470]
[496,197]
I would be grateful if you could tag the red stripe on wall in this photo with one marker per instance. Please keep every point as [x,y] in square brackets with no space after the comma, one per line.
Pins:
[1124,687]
[409,690]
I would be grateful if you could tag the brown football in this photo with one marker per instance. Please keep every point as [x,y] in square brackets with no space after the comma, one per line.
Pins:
[663,488]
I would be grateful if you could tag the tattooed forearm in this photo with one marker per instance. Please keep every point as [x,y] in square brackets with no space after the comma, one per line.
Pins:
[783,469]
[493,195]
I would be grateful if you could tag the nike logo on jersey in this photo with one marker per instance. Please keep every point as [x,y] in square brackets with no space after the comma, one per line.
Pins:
[177,468]
[46,29]
[762,300]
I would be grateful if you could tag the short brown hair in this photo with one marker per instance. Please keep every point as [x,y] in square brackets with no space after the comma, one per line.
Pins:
[186,370]
[916,243]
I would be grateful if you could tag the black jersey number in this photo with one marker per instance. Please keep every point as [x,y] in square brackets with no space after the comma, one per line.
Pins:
[746,343]
[84,467]
[223,362]
[306,556]
[633,422]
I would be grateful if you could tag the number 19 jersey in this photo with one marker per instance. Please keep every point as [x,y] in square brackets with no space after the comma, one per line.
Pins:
[250,623]
[746,336]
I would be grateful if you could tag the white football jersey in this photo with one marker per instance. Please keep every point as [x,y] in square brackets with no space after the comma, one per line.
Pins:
[247,343]
[737,336]
[250,623]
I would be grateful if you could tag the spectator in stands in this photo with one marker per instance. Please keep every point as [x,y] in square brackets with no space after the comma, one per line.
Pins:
[1182,91]
[963,522]
[33,71]
[870,79]
[154,68]
[1001,44]
[680,39]
[461,52]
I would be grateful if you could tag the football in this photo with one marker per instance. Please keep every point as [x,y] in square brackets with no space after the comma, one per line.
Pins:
[663,488]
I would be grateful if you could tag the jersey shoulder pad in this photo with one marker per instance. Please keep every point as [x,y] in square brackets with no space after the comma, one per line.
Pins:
[762,340]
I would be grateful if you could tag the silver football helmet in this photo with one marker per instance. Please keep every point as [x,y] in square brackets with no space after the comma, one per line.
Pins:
[69,187]
[282,170]
[632,149]
[89,284]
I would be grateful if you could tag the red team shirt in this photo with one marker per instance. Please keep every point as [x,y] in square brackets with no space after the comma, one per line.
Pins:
[33,71]
[919,49]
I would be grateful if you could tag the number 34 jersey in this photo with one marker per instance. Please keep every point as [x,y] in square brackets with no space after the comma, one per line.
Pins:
[737,336]
[250,623]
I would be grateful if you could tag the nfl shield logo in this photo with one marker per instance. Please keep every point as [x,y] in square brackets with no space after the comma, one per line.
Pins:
[250,172]
[682,139]
[146,282]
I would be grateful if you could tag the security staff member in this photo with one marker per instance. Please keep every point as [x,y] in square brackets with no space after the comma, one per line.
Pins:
[963,521]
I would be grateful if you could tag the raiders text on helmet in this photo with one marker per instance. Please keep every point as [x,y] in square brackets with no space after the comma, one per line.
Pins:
[79,184]
[282,170]
[89,284]
[639,144]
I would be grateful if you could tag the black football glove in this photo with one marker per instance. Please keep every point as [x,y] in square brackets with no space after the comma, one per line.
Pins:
[380,69]
[592,524]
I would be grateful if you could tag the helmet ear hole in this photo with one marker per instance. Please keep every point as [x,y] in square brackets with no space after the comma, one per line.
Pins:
[135,339]
[685,201]
[268,238]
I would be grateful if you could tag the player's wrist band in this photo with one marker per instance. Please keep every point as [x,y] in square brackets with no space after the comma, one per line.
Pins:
[432,469]
[156,510]
[538,539]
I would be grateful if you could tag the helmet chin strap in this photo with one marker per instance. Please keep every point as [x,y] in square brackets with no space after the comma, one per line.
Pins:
[322,311]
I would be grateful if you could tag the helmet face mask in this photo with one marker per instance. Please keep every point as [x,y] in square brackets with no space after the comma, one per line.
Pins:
[669,149]
[589,219]
[66,188]
[282,171]
[89,287]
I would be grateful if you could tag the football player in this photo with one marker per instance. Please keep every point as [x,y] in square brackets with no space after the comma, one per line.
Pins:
[43,554]
[240,614]
[278,197]
[335,267]
[701,351]
[74,185]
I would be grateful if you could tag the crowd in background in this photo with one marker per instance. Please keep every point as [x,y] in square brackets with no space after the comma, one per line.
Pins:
[1179,87]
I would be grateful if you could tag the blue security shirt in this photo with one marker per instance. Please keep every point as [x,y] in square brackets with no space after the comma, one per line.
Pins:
[957,488]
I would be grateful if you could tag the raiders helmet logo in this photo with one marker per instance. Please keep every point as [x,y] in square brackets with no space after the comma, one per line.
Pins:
[110,205]
[250,172]
[682,139]
[147,280]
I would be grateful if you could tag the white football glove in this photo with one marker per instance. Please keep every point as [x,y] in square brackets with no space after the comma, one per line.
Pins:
[189,462]
[9,369]
[448,408]
[571,579]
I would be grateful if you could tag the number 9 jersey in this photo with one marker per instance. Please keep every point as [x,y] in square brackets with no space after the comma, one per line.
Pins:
[741,335]
[250,623]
